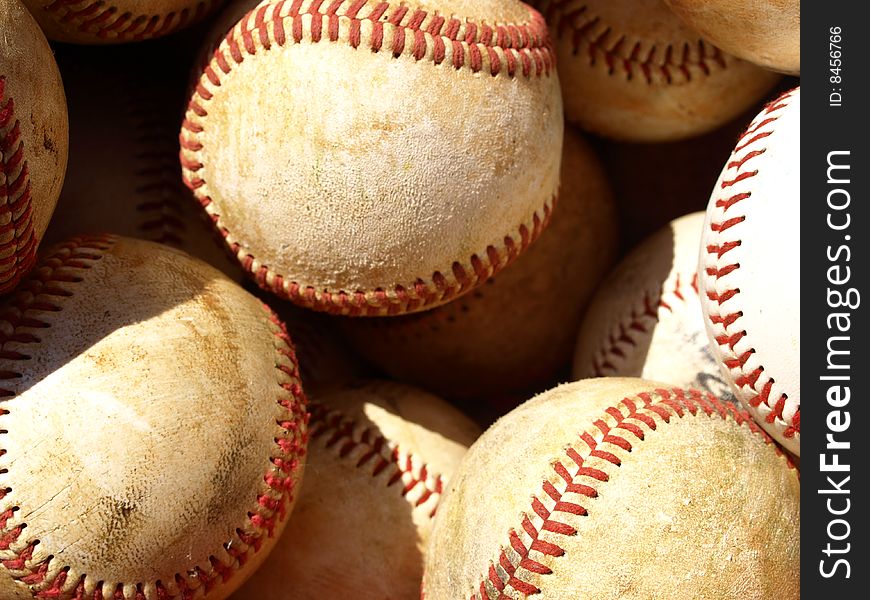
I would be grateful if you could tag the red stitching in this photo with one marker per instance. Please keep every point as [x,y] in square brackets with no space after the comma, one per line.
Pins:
[43,291]
[378,454]
[756,381]
[631,414]
[17,238]
[107,22]
[641,320]
[503,49]
[637,58]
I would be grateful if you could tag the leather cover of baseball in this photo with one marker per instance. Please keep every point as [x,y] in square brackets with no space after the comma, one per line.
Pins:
[373,158]
[619,488]
[631,70]
[765,33]
[379,457]
[152,427]
[749,270]
[34,135]
[115,21]
[645,319]
[518,330]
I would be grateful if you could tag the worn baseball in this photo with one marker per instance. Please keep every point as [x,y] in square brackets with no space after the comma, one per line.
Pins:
[123,174]
[765,33]
[645,320]
[33,140]
[372,158]
[114,21]
[631,70]
[380,455]
[518,330]
[619,488]
[152,427]
[749,273]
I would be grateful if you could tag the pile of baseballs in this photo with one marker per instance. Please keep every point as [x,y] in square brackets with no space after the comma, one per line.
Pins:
[269,269]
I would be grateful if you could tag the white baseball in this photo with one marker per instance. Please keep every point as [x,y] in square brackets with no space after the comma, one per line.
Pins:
[749,270]
[619,489]
[372,158]
[152,428]
[645,320]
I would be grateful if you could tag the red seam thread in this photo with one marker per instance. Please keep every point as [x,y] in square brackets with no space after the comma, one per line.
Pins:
[641,319]
[339,432]
[17,237]
[526,47]
[756,381]
[107,22]
[636,416]
[51,279]
[642,59]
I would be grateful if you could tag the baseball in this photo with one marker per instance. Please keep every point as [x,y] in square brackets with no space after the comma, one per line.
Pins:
[372,158]
[114,21]
[631,70]
[152,427]
[123,169]
[33,140]
[749,272]
[765,33]
[619,488]
[645,319]
[518,330]
[379,457]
